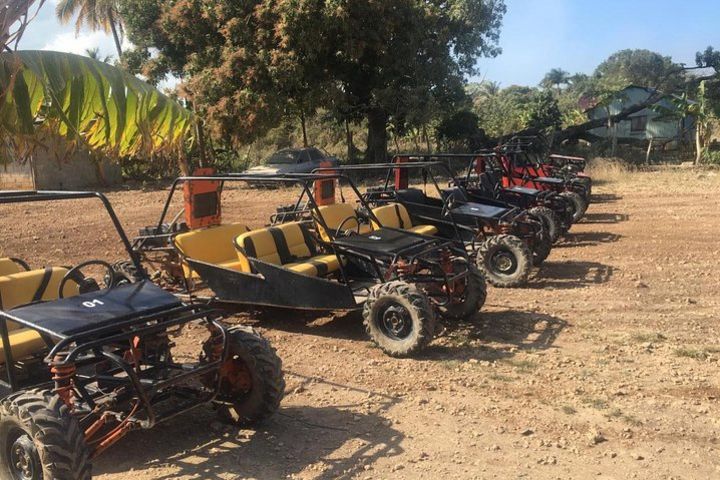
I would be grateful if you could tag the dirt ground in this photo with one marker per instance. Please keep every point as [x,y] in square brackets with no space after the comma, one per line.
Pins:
[605,366]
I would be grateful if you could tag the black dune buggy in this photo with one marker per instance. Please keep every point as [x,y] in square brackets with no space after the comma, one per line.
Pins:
[322,255]
[505,241]
[83,365]
[483,180]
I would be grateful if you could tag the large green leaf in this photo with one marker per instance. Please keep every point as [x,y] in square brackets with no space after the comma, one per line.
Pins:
[87,102]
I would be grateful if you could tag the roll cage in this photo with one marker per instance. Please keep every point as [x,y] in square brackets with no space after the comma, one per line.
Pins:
[307,208]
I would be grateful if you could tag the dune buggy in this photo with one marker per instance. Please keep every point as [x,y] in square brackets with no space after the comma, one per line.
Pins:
[505,241]
[483,180]
[88,355]
[519,168]
[323,255]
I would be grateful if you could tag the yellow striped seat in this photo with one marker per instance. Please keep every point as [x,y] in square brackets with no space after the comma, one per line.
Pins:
[336,215]
[396,215]
[212,245]
[290,245]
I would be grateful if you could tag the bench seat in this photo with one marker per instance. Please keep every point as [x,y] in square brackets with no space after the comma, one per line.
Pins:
[25,287]
[396,215]
[211,245]
[8,266]
[289,245]
[336,215]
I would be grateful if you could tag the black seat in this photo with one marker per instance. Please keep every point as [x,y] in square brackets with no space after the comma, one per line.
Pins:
[412,195]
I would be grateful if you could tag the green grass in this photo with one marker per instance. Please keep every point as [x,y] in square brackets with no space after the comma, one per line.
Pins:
[451,364]
[523,366]
[618,414]
[696,353]
[500,378]
[652,337]
[596,403]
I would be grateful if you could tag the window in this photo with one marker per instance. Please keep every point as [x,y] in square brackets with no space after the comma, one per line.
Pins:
[316,155]
[638,124]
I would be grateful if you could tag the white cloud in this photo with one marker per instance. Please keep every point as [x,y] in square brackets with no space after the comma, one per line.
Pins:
[69,42]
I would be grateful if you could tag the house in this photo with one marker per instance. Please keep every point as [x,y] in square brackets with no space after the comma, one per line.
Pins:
[648,123]
[45,171]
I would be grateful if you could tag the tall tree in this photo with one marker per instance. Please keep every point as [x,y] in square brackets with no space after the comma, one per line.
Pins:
[95,14]
[640,67]
[388,62]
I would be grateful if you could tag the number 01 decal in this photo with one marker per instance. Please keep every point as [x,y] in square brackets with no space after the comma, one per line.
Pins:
[92,303]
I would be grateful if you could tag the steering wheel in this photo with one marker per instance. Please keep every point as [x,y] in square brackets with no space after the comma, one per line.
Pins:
[88,284]
[339,230]
[448,205]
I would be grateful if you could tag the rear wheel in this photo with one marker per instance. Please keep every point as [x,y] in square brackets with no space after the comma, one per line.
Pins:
[579,205]
[252,383]
[471,298]
[550,221]
[398,317]
[40,439]
[505,260]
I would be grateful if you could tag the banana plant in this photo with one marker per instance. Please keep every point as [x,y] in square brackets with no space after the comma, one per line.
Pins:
[88,103]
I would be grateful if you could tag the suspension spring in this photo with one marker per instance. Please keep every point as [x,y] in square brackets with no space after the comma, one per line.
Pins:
[62,376]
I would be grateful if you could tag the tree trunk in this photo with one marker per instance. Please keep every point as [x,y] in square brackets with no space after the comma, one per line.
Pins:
[115,34]
[698,142]
[350,143]
[377,136]
[427,138]
[649,150]
[200,131]
[304,128]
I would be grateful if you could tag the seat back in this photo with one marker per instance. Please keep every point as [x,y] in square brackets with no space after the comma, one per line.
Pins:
[334,215]
[8,266]
[412,195]
[212,245]
[35,285]
[279,245]
[393,215]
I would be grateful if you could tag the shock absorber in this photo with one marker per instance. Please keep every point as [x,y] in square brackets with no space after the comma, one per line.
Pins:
[215,346]
[62,376]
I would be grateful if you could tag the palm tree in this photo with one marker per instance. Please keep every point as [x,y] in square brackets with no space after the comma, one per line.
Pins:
[96,15]
[95,54]
[555,78]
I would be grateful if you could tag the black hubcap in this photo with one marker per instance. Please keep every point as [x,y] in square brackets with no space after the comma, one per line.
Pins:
[395,321]
[503,262]
[24,459]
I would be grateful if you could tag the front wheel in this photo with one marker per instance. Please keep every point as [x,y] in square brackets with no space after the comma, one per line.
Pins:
[252,382]
[505,260]
[578,203]
[398,317]
[550,221]
[469,298]
[40,439]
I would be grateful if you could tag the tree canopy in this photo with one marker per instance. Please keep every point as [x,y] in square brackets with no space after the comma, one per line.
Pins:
[639,67]
[247,64]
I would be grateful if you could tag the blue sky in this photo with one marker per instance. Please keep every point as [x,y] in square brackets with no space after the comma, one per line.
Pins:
[537,35]
[576,35]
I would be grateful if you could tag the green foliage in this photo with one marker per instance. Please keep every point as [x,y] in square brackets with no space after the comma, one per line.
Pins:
[461,132]
[84,101]
[515,108]
[251,65]
[639,67]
